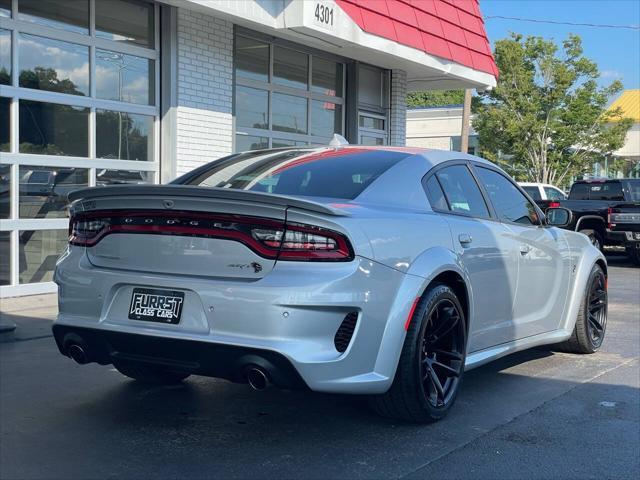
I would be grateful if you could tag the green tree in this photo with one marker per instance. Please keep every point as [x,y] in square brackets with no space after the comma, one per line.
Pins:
[439,98]
[42,78]
[5,76]
[547,113]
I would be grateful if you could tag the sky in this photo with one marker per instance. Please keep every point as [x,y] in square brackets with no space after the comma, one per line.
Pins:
[615,50]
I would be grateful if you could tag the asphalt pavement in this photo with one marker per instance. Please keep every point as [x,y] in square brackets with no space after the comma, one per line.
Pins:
[535,414]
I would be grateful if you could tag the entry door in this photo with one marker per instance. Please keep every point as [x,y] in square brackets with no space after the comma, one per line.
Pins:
[485,249]
[543,279]
[543,257]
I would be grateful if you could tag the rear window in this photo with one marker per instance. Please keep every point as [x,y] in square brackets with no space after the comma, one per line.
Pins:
[633,187]
[597,191]
[342,173]
[534,192]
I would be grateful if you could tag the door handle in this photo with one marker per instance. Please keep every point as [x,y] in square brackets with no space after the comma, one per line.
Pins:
[464,239]
[524,249]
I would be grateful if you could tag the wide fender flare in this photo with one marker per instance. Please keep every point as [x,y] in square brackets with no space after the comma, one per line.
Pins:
[583,270]
[426,267]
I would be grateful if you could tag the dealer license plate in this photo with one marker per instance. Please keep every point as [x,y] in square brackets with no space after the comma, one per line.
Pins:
[155,305]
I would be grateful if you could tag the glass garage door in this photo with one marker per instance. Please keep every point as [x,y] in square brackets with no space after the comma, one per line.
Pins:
[78,107]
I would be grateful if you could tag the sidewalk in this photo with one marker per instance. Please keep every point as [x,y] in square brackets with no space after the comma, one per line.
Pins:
[32,315]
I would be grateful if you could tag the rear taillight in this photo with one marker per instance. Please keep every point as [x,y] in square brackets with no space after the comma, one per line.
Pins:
[610,224]
[268,238]
[309,243]
[615,217]
[554,204]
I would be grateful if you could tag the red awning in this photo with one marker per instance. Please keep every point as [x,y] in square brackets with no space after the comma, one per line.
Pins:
[450,29]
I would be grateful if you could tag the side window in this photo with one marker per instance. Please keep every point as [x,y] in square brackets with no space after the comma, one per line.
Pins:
[510,204]
[436,195]
[534,192]
[553,194]
[461,191]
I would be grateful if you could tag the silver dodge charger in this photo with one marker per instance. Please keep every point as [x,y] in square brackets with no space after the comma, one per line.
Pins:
[379,271]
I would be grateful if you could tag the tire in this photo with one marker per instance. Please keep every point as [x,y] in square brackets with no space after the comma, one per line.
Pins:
[586,338]
[150,374]
[413,396]
[595,237]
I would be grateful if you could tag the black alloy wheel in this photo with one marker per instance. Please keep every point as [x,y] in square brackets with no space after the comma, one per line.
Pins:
[597,309]
[591,321]
[441,362]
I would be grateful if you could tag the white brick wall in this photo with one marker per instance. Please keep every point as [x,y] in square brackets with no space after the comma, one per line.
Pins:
[205,89]
[398,116]
[439,143]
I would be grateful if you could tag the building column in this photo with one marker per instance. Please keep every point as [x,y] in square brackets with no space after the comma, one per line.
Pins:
[204,130]
[398,114]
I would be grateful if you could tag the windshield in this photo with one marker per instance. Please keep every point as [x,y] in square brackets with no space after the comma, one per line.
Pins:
[336,173]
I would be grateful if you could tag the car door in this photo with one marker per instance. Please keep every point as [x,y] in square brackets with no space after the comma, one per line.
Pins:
[544,257]
[484,247]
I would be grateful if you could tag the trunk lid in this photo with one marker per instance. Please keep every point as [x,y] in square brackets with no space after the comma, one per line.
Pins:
[184,230]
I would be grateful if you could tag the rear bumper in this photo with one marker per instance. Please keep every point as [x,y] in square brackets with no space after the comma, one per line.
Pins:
[198,358]
[294,313]
[621,237]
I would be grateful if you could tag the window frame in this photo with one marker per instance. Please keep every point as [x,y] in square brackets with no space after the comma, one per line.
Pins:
[272,88]
[373,132]
[483,194]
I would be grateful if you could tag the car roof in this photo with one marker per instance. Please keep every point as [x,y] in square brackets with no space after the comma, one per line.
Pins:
[390,188]
[604,180]
[432,156]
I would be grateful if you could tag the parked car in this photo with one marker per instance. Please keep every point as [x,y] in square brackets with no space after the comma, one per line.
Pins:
[43,190]
[543,191]
[607,211]
[381,271]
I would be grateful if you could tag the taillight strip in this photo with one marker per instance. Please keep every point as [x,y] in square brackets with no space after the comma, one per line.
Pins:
[179,231]
[184,226]
[189,215]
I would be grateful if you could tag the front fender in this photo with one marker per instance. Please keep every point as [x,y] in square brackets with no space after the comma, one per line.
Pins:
[585,257]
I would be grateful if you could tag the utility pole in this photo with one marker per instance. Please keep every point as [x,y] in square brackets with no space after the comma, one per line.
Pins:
[466,113]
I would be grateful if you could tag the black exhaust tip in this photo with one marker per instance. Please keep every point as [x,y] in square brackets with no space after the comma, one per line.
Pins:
[257,378]
[77,353]
[75,348]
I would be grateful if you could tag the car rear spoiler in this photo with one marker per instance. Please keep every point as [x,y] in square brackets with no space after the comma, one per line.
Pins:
[203,192]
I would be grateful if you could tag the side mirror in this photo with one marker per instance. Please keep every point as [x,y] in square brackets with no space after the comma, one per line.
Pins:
[559,217]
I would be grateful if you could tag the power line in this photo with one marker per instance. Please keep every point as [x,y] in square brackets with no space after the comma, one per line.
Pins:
[535,20]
